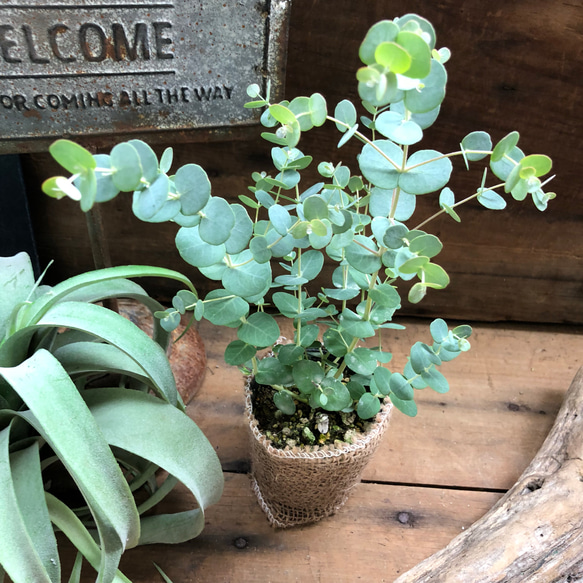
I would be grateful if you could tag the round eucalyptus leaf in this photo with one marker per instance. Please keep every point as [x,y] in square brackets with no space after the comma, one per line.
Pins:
[503,168]
[286,303]
[126,166]
[337,395]
[307,375]
[280,219]
[223,309]
[435,380]
[463,331]
[395,235]
[427,171]
[419,25]
[432,93]
[337,341]
[300,107]
[435,276]
[214,272]
[427,245]
[308,334]
[393,56]
[355,389]
[439,330]
[375,166]
[259,329]
[238,352]
[184,221]
[151,200]
[423,120]
[241,231]
[166,160]
[363,254]
[72,157]
[193,188]
[419,53]
[290,353]
[491,200]
[148,159]
[195,251]
[315,207]
[385,295]
[284,402]
[106,189]
[504,146]
[259,246]
[345,112]
[381,202]
[245,277]
[422,358]
[479,141]
[272,372]
[400,387]
[446,197]
[355,326]
[318,110]
[361,360]
[405,206]
[413,265]
[391,124]
[310,265]
[409,408]
[377,86]
[217,221]
[382,377]
[417,293]
[383,31]
[368,406]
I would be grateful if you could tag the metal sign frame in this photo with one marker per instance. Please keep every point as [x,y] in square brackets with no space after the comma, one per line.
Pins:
[167,70]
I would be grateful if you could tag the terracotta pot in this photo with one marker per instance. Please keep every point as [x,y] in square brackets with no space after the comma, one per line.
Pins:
[308,483]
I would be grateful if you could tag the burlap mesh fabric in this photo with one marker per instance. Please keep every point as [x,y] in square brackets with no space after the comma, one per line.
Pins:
[302,485]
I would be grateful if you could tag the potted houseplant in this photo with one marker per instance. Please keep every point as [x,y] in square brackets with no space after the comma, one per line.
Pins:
[326,393]
[89,413]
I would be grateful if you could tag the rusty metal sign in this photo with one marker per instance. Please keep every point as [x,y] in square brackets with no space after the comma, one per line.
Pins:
[91,68]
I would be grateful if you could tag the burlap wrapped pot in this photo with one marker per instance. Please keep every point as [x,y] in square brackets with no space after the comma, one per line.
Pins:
[308,483]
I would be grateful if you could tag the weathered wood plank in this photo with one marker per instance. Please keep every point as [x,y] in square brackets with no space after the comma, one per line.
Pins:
[504,395]
[382,531]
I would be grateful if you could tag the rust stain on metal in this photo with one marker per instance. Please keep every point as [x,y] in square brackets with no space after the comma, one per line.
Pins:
[94,68]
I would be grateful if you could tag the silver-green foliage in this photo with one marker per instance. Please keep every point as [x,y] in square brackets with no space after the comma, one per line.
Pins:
[361,222]
[110,440]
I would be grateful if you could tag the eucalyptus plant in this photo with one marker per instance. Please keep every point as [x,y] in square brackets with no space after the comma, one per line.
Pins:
[267,249]
[83,457]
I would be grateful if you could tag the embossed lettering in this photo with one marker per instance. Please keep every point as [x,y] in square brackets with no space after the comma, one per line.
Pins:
[32,54]
[122,46]
[52,33]
[86,48]
[6,44]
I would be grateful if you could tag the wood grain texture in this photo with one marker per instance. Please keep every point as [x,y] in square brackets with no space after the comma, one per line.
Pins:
[534,533]
[515,65]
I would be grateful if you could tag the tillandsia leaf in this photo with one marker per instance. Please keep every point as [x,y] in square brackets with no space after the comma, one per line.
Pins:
[24,555]
[162,574]
[110,327]
[64,421]
[67,522]
[16,284]
[145,426]
[63,290]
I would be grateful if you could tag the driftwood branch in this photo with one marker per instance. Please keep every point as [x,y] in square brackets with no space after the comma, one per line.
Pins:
[534,533]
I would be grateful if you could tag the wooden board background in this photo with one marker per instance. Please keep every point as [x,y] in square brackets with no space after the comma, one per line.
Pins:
[515,65]
[444,469]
